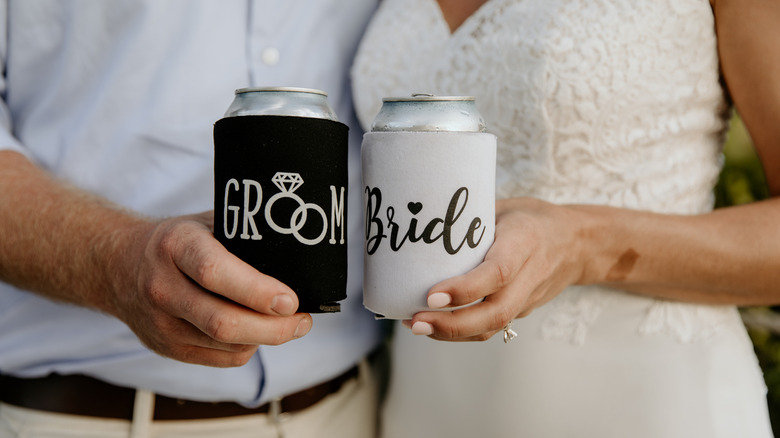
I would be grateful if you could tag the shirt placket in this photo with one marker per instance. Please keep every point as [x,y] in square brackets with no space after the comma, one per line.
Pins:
[264,48]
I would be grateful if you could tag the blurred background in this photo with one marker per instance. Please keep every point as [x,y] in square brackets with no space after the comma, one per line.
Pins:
[742,181]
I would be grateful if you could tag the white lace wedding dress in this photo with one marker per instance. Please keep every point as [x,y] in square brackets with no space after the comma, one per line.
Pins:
[614,102]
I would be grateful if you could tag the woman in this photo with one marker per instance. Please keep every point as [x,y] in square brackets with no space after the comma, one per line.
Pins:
[610,116]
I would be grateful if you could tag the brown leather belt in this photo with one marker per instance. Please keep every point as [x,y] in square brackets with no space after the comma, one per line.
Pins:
[82,395]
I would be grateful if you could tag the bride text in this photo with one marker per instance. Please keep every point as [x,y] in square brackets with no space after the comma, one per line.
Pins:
[436,229]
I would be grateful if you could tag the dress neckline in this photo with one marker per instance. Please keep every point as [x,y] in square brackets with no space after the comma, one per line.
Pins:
[468,22]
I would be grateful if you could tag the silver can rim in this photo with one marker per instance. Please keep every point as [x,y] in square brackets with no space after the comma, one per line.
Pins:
[280,89]
[429,98]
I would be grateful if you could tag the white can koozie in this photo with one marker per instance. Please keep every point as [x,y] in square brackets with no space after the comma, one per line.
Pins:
[429,204]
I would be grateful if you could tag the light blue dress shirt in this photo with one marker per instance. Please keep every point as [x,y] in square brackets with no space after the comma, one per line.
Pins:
[119,98]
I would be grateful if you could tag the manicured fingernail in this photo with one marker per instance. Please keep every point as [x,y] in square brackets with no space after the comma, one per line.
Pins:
[422,328]
[303,327]
[283,305]
[439,300]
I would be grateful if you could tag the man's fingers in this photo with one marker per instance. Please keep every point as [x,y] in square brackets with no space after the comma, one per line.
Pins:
[196,302]
[198,255]
[230,323]
[196,347]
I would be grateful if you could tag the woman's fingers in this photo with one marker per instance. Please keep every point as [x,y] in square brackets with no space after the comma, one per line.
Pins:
[502,264]
[476,322]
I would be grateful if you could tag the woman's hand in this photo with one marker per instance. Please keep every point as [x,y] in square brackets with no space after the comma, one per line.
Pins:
[729,256]
[541,248]
[537,252]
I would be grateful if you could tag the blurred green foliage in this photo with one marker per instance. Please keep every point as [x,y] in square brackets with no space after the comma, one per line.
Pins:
[742,181]
[742,178]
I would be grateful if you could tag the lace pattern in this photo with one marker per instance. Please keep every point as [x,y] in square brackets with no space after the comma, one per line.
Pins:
[569,315]
[613,102]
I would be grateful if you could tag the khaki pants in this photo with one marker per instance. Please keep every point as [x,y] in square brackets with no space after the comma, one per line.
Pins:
[349,413]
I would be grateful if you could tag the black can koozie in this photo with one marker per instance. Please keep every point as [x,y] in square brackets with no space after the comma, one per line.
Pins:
[280,201]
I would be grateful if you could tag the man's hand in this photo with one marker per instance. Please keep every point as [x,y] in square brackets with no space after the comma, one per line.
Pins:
[182,293]
[196,302]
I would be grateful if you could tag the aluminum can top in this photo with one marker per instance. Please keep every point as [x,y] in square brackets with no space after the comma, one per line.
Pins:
[281,101]
[429,113]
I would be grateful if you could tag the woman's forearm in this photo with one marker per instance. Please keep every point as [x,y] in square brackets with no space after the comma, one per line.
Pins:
[729,256]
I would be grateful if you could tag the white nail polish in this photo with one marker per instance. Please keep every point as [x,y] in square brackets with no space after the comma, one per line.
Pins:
[439,300]
[422,328]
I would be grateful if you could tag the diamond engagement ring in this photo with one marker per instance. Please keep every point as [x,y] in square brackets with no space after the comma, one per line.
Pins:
[509,334]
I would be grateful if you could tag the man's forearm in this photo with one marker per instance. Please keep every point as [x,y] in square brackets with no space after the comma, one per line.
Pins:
[59,241]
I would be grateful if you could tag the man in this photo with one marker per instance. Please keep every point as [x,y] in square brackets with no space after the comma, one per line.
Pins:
[119,310]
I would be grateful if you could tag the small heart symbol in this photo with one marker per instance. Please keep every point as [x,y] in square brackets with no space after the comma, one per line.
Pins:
[414,207]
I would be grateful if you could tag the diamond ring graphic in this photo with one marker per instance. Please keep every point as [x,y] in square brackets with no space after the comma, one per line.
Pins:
[288,183]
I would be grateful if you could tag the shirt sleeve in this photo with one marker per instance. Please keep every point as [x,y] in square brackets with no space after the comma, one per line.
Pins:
[7,139]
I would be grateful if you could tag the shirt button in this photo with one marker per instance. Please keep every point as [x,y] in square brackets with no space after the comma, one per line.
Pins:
[270,56]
